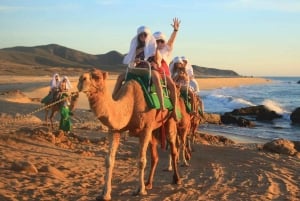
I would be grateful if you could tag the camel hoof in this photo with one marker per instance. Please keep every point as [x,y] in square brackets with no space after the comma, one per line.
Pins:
[167,169]
[148,186]
[139,192]
[177,181]
[185,165]
[101,198]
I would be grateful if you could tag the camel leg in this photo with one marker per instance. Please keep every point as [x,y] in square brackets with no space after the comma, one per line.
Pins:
[188,153]
[46,116]
[110,162]
[154,161]
[183,147]
[171,127]
[51,119]
[169,168]
[144,141]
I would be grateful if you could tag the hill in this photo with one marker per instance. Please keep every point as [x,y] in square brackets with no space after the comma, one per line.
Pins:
[213,72]
[45,59]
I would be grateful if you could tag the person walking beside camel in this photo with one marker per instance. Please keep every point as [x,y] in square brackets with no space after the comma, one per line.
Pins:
[65,116]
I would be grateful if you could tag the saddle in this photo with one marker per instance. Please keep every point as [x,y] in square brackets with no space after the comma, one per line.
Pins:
[143,77]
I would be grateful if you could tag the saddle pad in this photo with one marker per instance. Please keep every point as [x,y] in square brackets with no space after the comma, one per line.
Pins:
[151,97]
[187,101]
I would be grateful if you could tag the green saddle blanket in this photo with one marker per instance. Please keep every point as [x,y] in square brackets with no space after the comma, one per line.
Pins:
[187,101]
[150,96]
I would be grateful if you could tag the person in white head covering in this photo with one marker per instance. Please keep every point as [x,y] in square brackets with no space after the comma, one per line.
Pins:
[177,66]
[143,48]
[190,72]
[165,46]
[65,85]
[54,83]
[54,86]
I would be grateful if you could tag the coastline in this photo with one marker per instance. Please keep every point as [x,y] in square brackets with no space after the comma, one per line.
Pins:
[236,138]
[219,82]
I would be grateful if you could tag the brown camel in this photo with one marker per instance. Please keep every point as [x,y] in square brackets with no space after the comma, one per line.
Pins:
[195,122]
[183,134]
[127,111]
[73,98]
[189,123]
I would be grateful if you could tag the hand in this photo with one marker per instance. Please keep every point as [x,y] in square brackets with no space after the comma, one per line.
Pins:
[176,23]
[137,61]
[139,50]
[154,65]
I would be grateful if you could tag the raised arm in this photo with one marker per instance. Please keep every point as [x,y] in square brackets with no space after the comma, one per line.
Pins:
[175,25]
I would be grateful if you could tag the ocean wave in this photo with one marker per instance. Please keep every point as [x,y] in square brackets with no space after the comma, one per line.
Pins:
[274,106]
[223,103]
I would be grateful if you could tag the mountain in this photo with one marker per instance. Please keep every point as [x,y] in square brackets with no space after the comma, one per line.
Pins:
[40,60]
[213,72]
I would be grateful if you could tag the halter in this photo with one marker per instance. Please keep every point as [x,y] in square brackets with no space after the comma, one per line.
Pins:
[89,93]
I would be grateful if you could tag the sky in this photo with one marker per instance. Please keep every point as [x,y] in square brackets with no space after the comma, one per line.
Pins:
[251,37]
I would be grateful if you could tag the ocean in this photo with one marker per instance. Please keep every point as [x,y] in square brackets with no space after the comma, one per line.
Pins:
[281,95]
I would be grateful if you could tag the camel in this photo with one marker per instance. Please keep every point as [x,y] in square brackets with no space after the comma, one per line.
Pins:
[128,111]
[73,98]
[187,126]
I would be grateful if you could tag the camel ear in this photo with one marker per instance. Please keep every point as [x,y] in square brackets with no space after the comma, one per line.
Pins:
[105,75]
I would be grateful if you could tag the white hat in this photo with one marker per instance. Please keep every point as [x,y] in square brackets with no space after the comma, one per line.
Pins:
[184,58]
[142,29]
[159,36]
[177,60]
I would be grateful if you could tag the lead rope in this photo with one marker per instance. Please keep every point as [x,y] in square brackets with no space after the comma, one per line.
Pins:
[35,111]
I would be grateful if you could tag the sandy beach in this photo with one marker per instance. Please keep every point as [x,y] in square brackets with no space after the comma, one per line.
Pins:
[38,163]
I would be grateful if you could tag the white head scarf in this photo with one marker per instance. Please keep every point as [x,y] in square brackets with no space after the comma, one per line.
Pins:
[166,50]
[53,82]
[188,67]
[160,36]
[68,83]
[175,60]
[184,58]
[149,49]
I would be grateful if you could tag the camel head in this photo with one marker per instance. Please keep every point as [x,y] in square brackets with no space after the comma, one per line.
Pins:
[92,82]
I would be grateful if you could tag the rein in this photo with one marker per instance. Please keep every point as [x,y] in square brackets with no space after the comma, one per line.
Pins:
[35,111]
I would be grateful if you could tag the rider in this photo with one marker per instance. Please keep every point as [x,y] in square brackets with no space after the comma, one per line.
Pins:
[54,86]
[143,48]
[190,72]
[165,46]
[181,79]
[193,91]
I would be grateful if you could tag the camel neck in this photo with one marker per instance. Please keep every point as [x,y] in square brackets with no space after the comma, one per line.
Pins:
[114,114]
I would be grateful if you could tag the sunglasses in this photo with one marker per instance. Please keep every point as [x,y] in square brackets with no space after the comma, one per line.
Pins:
[143,34]
[160,41]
